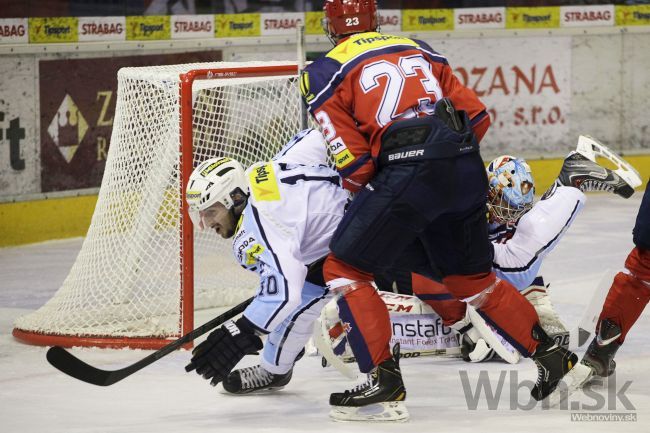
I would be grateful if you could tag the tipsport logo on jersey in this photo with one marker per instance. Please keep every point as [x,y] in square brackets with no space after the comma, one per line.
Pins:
[253,253]
[264,185]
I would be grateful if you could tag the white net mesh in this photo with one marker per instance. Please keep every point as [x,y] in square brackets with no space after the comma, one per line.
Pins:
[126,279]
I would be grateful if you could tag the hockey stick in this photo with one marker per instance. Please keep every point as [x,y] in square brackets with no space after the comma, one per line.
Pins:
[75,367]
[582,332]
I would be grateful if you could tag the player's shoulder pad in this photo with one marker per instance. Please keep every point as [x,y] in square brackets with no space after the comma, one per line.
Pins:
[362,43]
[247,245]
[307,147]
[316,76]
[430,52]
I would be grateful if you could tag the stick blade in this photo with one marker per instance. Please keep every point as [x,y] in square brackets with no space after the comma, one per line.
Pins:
[586,327]
[583,336]
[69,364]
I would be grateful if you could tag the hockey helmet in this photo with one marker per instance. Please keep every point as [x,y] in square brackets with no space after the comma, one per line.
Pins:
[214,181]
[346,17]
[511,189]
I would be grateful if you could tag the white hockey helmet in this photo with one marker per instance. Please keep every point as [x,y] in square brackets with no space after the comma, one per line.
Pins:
[511,188]
[213,181]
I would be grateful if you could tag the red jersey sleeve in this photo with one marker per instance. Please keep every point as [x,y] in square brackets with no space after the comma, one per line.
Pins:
[348,146]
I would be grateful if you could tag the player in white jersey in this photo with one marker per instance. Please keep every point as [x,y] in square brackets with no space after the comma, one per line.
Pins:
[523,234]
[282,215]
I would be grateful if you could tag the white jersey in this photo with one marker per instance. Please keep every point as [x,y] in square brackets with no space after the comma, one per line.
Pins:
[292,213]
[519,250]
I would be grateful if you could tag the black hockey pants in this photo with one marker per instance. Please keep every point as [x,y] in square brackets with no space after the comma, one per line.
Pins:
[426,216]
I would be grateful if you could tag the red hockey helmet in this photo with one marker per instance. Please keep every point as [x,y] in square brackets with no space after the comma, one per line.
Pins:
[346,17]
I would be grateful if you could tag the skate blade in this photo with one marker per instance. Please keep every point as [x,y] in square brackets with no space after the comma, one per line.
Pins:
[590,148]
[573,381]
[391,411]
[263,391]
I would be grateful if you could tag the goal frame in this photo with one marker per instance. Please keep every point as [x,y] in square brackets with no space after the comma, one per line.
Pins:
[186,161]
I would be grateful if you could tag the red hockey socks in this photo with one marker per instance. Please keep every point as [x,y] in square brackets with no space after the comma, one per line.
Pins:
[500,305]
[436,295]
[629,293]
[363,313]
[365,319]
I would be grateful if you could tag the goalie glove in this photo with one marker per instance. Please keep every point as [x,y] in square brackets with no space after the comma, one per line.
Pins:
[216,357]
[473,347]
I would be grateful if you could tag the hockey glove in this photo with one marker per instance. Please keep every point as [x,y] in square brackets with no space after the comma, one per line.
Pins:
[473,347]
[223,349]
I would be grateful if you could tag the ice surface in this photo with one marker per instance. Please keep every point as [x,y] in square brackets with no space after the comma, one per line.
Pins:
[34,397]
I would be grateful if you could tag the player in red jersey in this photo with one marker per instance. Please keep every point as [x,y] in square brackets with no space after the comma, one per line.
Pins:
[404,133]
[626,299]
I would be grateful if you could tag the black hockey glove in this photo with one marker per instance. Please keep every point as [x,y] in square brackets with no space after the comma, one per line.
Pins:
[223,349]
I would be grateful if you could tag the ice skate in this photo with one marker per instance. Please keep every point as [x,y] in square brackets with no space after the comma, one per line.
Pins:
[255,380]
[555,364]
[581,170]
[600,354]
[380,398]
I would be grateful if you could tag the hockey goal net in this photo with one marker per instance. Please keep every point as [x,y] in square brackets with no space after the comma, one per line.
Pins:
[141,271]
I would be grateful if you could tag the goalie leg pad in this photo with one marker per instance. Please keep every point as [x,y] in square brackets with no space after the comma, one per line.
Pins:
[490,338]
[538,296]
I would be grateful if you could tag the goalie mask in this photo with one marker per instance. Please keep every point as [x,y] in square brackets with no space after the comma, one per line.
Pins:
[511,191]
[346,17]
[216,180]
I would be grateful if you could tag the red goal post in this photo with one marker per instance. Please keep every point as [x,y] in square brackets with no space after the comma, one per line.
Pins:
[122,290]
